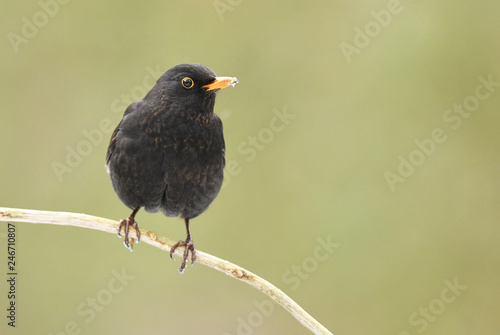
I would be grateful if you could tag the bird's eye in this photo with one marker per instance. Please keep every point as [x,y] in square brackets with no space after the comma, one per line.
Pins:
[187,82]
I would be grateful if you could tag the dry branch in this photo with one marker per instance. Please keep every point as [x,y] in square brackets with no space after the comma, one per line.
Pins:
[149,237]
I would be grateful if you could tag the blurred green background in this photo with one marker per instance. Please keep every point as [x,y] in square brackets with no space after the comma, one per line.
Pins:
[361,82]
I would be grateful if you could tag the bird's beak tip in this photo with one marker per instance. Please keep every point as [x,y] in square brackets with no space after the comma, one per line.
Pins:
[221,82]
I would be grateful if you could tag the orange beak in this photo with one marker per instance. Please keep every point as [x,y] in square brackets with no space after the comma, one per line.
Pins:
[221,82]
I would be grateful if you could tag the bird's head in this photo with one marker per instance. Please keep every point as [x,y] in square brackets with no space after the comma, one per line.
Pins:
[190,86]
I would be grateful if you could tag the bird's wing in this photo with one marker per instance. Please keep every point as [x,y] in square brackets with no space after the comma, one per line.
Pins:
[112,143]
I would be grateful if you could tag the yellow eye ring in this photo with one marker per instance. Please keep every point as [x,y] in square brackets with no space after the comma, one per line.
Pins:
[187,82]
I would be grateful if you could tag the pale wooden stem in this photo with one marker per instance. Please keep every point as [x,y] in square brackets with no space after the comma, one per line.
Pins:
[149,237]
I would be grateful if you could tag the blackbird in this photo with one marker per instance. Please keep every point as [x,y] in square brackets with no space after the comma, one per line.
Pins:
[168,153]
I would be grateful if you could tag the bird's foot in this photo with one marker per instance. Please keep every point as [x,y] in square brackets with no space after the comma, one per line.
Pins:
[189,246]
[125,224]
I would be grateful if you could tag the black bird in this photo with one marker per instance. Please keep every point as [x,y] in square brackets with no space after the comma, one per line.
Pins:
[168,154]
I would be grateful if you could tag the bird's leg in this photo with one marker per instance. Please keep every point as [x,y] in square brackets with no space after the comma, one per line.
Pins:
[188,243]
[125,224]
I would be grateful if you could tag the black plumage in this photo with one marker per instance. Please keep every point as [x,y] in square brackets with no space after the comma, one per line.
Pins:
[168,154]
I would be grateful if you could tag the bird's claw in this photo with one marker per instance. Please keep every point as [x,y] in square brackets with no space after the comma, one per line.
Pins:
[125,225]
[188,244]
